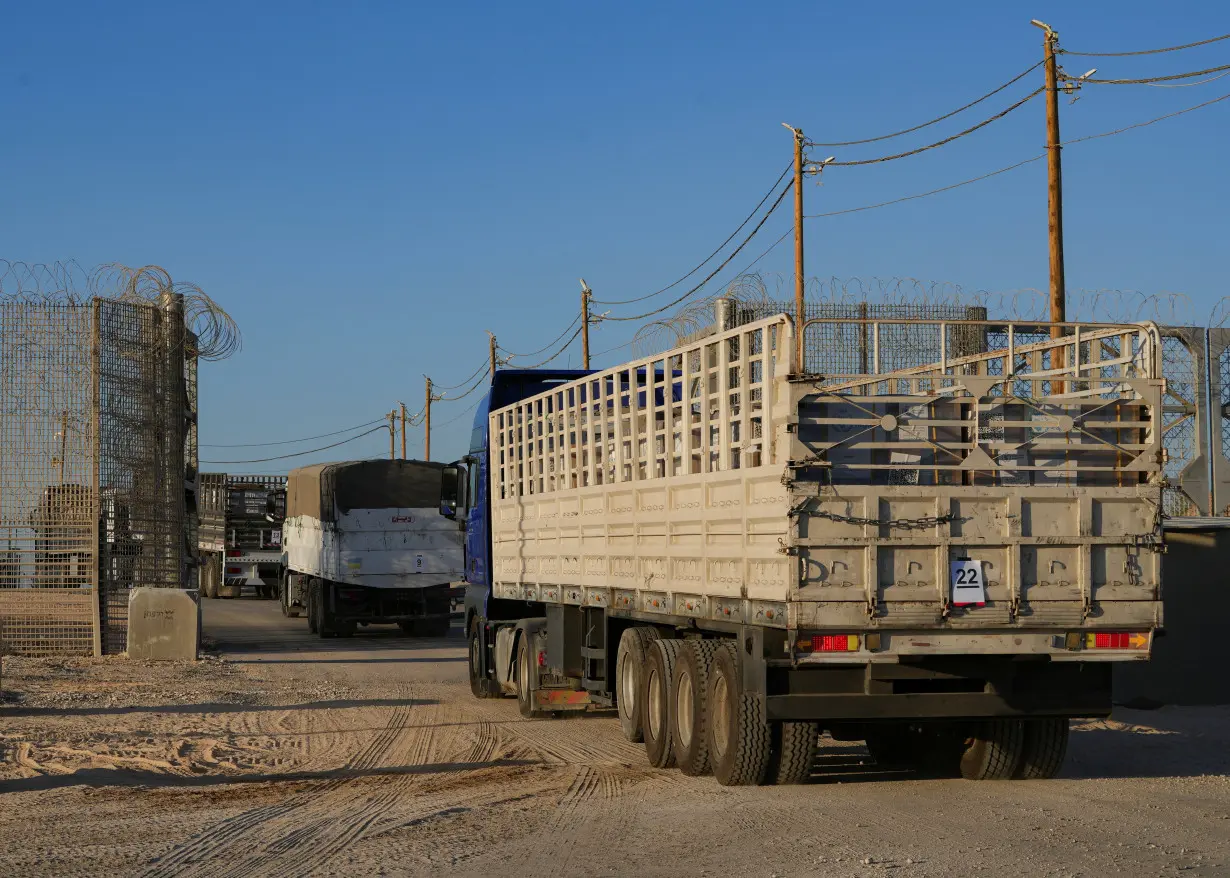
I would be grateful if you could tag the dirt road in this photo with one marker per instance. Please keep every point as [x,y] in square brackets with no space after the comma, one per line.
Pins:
[287,756]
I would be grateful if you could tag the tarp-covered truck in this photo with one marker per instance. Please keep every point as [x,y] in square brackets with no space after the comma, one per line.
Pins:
[938,539]
[371,542]
[240,534]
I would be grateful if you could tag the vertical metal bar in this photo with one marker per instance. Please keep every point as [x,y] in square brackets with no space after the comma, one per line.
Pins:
[800,312]
[95,446]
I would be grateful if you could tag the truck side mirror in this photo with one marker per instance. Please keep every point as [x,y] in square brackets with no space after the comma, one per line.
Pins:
[450,489]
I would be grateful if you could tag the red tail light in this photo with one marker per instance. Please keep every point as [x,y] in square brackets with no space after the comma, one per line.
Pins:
[1116,640]
[234,553]
[829,643]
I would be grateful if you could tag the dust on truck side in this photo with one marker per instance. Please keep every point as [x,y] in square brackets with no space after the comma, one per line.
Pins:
[240,533]
[372,542]
[937,540]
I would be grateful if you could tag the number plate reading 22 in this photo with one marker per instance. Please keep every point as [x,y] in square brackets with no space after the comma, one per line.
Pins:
[968,585]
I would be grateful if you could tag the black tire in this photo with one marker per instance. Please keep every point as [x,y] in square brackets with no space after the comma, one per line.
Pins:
[407,628]
[630,679]
[1046,745]
[313,606]
[525,674]
[689,706]
[792,753]
[480,687]
[213,568]
[656,698]
[993,750]
[739,737]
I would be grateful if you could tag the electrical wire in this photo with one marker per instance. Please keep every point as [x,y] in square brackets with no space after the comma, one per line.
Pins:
[548,345]
[1152,79]
[460,415]
[973,103]
[708,258]
[946,140]
[473,387]
[301,453]
[473,374]
[931,192]
[715,271]
[1187,84]
[289,441]
[1146,51]
[1143,124]
[556,354]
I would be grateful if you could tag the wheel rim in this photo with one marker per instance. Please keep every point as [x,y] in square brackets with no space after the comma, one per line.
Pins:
[721,715]
[474,655]
[683,708]
[654,707]
[627,686]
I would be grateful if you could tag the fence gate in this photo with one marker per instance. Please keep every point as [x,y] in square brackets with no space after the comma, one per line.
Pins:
[97,447]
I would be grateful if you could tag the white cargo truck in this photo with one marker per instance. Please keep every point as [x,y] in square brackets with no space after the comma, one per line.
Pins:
[937,538]
[371,542]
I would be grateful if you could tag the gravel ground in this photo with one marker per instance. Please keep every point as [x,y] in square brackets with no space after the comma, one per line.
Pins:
[283,755]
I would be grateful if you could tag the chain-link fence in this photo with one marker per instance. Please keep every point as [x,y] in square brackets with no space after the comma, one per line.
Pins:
[97,463]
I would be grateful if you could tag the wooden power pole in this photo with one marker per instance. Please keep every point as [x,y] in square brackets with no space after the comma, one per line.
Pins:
[427,423]
[1054,176]
[586,294]
[800,309]
[493,359]
[392,433]
[403,430]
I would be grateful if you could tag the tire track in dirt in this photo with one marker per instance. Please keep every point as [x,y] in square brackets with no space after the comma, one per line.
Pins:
[221,838]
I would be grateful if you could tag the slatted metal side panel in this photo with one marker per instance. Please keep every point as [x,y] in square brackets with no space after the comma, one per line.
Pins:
[48,499]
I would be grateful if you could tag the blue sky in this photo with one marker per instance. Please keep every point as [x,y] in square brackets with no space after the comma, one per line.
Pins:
[369,187]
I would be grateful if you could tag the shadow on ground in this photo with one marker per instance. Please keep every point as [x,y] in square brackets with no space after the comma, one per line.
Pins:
[219,707]
[123,777]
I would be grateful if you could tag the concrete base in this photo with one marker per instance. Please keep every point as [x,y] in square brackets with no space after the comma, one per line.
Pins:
[163,624]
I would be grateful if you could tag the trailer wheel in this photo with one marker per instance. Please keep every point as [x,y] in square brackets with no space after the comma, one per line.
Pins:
[792,752]
[479,685]
[634,645]
[689,711]
[213,571]
[739,738]
[993,750]
[656,696]
[525,675]
[1046,745]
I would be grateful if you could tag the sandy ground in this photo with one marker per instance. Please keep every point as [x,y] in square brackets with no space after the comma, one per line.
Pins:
[287,756]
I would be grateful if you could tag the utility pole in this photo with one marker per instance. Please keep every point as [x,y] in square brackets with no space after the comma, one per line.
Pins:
[586,294]
[493,360]
[1054,176]
[427,423]
[800,310]
[403,430]
[392,433]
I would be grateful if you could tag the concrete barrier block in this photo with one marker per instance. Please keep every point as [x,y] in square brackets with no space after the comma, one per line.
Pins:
[163,624]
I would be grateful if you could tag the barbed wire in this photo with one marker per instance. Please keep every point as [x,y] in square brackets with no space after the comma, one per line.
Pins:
[217,336]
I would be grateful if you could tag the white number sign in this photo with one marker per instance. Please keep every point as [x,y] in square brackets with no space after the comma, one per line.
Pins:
[968,585]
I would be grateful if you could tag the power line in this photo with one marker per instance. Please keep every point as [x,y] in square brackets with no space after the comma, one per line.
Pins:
[1152,79]
[931,192]
[1150,122]
[462,414]
[300,453]
[973,103]
[486,366]
[288,441]
[1146,51]
[708,258]
[548,345]
[946,140]
[1187,84]
[558,352]
[473,387]
[715,271]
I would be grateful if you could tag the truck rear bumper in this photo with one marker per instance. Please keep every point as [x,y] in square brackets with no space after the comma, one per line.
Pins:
[947,706]
[949,688]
